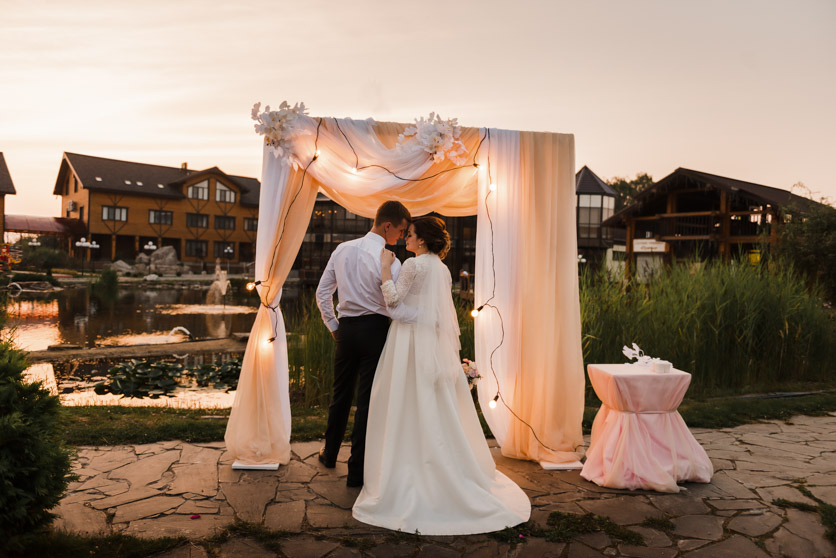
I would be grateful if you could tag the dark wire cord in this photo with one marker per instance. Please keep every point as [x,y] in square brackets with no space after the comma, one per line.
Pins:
[275,307]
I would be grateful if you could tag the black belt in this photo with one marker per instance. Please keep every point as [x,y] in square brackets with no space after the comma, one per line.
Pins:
[363,318]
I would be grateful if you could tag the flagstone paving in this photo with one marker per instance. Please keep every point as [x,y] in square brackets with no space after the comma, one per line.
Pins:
[156,490]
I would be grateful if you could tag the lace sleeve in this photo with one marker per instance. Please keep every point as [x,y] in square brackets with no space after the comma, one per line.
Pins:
[393,293]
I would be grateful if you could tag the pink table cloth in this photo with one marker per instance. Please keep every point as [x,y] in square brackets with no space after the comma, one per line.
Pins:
[639,440]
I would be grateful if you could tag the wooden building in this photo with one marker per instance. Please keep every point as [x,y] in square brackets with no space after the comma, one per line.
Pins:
[123,205]
[692,214]
[7,187]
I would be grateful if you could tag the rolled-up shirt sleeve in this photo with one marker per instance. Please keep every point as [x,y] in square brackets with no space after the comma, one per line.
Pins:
[325,296]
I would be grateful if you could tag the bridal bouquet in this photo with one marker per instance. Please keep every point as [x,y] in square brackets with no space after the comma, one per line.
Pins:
[470,372]
[439,138]
[280,127]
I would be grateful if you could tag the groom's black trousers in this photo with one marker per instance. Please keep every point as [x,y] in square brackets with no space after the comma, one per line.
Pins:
[360,341]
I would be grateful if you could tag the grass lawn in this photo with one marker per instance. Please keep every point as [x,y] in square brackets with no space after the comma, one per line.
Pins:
[102,426]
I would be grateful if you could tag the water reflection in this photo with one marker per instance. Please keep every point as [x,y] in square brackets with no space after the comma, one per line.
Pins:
[134,316]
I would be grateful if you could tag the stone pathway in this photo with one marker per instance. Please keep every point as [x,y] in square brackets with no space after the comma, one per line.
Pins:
[154,490]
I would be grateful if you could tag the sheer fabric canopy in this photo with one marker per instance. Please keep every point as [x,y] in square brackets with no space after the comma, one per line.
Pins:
[528,340]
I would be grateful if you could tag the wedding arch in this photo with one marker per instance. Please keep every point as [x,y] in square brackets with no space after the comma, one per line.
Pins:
[521,186]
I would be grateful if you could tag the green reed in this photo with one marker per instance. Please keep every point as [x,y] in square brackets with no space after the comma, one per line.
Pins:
[310,350]
[735,327]
[310,355]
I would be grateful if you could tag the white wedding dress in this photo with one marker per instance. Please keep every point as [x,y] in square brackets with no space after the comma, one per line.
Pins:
[428,468]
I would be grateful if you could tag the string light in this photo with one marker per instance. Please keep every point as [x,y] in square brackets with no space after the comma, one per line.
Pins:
[492,188]
[493,401]
[252,285]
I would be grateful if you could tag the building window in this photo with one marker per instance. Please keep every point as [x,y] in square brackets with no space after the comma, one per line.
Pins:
[250,224]
[225,250]
[197,248]
[197,221]
[114,213]
[81,212]
[199,191]
[224,222]
[224,194]
[159,217]
[589,215]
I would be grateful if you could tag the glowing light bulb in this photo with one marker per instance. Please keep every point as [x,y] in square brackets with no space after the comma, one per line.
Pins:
[474,312]
[266,343]
[492,403]
[354,170]
[250,286]
[317,153]
[492,187]
[476,165]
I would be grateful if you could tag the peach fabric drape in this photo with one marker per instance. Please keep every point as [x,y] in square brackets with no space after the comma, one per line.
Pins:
[258,431]
[539,364]
[541,370]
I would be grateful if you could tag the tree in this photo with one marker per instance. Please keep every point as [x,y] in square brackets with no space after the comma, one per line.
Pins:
[42,258]
[808,242]
[628,189]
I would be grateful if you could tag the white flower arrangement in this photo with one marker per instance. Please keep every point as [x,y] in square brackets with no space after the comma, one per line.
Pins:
[280,127]
[439,138]
[470,372]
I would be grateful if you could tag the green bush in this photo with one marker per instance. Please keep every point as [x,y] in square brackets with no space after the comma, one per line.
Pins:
[735,327]
[43,258]
[34,462]
[107,285]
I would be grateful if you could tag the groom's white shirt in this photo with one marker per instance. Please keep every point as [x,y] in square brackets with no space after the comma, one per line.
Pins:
[354,272]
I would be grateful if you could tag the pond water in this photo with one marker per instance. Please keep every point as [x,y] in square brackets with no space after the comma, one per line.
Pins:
[134,316]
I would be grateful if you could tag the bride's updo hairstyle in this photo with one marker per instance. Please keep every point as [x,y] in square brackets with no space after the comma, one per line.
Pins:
[433,232]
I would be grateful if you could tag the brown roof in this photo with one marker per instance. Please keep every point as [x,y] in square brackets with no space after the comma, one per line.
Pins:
[6,184]
[127,177]
[766,194]
[587,182]
[44,225]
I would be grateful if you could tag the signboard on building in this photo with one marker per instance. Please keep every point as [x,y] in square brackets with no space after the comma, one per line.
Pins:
[648,245]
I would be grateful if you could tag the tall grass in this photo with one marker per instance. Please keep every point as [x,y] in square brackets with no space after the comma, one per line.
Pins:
[310,354]
[736,328]
[733,326]
[311,350]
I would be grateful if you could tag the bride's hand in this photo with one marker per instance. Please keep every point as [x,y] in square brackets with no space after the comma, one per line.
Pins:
[387,257]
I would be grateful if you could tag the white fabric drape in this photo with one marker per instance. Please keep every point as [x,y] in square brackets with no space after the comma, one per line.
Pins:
[497,276]
[259,427]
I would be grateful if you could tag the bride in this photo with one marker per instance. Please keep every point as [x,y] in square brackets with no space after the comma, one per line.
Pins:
[428,468]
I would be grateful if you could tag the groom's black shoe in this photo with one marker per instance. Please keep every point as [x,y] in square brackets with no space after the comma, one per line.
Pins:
[329,464]
[353,483]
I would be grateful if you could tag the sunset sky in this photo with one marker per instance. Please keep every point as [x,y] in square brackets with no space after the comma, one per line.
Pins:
[745,89]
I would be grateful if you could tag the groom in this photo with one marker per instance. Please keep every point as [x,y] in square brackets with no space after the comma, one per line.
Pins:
[360,332]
